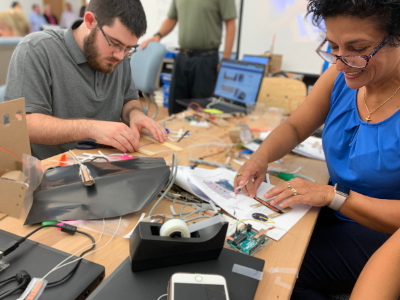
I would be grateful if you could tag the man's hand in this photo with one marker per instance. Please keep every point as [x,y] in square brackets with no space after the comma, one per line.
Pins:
[138,121]
[116,134]
[156,38]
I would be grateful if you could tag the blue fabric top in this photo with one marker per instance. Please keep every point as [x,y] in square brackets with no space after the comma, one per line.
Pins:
[361,156]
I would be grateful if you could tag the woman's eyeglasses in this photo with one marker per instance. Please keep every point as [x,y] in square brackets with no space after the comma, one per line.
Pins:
[355,61]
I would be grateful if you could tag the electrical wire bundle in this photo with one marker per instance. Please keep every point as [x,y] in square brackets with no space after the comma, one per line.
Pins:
[4,251]
[199,207]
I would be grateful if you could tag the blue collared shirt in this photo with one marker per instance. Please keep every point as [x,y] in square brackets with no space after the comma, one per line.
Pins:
[36,21]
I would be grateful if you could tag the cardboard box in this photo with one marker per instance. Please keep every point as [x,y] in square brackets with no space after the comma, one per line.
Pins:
[14,138]
[274,64]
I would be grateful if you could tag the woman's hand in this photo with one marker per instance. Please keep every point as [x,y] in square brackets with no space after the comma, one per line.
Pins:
[253,172]
[311,193]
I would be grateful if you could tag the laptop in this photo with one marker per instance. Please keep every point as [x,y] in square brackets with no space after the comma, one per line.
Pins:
[151,284]
[257,59]
[236,89]
[38,259]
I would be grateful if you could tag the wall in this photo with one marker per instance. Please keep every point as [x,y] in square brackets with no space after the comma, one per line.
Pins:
[295,39]
[27,5]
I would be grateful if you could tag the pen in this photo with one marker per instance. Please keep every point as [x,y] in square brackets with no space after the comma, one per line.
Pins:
[240,186]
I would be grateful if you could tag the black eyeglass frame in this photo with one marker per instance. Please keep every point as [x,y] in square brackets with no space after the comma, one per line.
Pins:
[129,50]
[343,57]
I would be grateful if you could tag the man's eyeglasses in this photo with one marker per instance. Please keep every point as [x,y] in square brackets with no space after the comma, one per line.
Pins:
[355,61]
[118,48]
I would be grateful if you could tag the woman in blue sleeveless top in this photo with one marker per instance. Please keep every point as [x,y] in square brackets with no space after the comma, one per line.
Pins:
[358,99]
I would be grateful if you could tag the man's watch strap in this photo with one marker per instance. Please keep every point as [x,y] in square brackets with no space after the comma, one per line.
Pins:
[341,194]
[159,34]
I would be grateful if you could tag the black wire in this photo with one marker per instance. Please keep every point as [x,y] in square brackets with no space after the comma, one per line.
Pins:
[12,291]
[69,275]
[8,279]
[99,158]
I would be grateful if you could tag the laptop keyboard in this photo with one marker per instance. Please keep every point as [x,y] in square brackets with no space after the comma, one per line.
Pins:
[228,107]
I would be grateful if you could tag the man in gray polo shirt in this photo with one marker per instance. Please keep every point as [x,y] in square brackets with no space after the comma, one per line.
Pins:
[77,82]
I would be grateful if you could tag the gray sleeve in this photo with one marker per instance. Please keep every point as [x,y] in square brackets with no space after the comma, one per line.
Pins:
[227,9]
[173,13]
[131,92]
[29,77]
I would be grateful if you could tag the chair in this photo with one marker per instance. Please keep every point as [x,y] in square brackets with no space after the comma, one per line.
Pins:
[146,69]
[285,93]
[7,46]
[2,91]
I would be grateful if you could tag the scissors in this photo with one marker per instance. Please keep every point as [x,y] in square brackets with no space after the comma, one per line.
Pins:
[86,145]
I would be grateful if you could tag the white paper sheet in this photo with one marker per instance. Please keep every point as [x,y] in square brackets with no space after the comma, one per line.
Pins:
[183,182]
[216,185]
[311,147]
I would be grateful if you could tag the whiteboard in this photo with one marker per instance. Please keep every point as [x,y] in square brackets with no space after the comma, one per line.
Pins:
[296,39]
[156,13]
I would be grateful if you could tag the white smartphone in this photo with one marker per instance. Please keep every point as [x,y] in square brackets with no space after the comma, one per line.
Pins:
[186,286]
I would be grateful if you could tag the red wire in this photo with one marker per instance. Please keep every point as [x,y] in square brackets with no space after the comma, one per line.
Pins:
[16,155]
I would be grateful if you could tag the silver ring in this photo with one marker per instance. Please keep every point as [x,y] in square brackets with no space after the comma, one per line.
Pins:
[288,185]
[294,192]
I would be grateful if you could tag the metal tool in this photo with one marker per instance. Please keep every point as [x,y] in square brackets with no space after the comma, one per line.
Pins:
[86,145]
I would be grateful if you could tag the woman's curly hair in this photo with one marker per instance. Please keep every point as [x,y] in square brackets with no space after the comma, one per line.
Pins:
[384,13]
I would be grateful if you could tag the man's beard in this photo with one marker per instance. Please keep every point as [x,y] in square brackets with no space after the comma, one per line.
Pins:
[92,54]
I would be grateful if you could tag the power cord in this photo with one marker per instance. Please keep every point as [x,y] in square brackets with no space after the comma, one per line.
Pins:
[162,296]
[23,279]
[5,250]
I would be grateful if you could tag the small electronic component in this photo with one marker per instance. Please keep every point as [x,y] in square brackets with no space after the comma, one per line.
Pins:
[248,228]
[259,243]
[3,265]
[239,239]
[247,240]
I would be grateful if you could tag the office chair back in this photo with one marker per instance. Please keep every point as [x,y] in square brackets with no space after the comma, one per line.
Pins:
[285,93]
[7,46]
[146,69]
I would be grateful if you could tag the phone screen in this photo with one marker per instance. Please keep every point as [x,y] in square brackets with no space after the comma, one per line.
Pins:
[185,291]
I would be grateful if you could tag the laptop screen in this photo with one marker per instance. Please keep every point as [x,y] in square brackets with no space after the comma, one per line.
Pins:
[239,81]
[256,59]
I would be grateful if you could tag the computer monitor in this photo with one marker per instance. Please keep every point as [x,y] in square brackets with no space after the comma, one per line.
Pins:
[239,81]
[256,59]
[233,55]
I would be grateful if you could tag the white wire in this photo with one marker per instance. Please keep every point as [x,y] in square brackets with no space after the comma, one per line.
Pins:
[101,153]
[162,296]
[104,225]
[75,157]
[59,267]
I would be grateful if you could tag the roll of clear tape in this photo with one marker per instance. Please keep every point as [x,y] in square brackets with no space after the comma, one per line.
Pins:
[175,228]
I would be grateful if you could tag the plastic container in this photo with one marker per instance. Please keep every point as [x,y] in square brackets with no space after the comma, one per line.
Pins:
[166,80]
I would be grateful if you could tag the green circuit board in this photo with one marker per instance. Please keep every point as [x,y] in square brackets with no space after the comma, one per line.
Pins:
[3,265]
[245,241]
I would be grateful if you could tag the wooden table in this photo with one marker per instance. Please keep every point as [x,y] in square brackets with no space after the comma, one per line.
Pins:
[286,253]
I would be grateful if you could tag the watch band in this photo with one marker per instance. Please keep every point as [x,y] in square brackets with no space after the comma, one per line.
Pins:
[159,34]
[339,198]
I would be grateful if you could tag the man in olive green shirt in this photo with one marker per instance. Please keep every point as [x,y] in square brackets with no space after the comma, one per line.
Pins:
[200,32]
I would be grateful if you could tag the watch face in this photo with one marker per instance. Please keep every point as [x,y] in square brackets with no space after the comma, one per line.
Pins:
[342,190]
